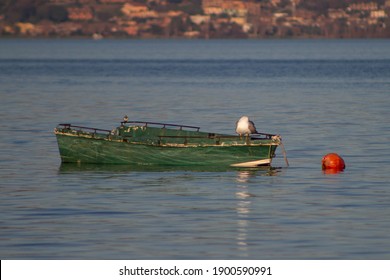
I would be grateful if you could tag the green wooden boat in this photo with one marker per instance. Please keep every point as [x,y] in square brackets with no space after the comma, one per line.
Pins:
[161,144]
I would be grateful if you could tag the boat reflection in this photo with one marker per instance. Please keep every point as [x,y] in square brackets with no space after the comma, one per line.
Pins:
[77,167]
[243,209]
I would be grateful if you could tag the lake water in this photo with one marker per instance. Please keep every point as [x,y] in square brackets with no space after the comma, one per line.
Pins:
[322,96]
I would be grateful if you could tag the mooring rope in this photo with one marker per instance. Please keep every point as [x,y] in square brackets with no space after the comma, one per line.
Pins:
[278,139]
[284,153]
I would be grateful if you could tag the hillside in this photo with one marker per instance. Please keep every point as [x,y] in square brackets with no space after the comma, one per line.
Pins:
[195,19]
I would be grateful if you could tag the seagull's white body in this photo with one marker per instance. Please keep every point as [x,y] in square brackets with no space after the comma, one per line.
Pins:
[245,126]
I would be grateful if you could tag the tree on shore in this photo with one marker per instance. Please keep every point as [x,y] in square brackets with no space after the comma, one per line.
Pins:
[53,13]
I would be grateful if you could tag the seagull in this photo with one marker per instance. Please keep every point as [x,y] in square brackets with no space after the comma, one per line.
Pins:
[245,126]
[125,118]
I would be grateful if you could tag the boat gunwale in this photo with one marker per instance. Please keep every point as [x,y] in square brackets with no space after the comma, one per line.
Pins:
[170,145]
[254,136]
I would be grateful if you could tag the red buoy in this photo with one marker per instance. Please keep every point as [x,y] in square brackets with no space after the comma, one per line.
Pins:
[333,161]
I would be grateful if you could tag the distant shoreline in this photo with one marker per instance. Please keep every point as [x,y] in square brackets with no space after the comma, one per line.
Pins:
[188,39]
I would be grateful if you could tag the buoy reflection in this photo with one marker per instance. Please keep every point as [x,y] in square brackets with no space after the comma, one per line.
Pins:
[332,171]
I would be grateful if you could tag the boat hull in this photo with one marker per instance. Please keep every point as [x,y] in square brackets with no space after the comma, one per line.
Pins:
[81,149]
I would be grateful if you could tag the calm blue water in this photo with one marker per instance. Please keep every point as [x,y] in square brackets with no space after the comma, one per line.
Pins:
[321,96]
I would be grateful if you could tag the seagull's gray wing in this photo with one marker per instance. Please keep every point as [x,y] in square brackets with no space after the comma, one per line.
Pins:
[252,127]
